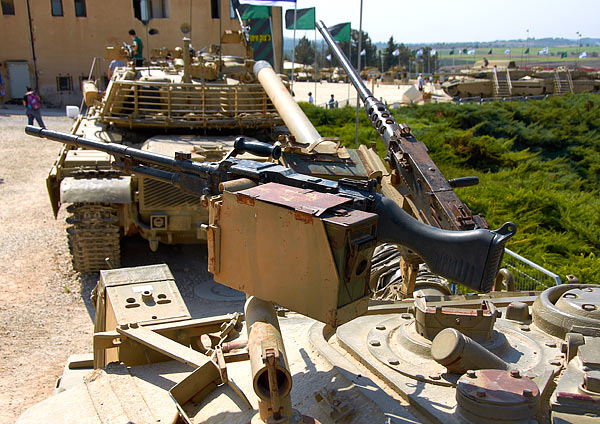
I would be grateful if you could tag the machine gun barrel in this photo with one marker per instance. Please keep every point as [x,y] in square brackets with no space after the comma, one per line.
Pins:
[355,79]
[471,258]
[423,183]
[381,119]
[120,151]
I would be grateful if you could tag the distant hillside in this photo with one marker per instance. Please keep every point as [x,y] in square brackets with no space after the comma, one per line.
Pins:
[518,43]
[533,42]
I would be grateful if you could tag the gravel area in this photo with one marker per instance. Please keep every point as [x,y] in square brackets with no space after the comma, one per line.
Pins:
[45,313]
[42,316]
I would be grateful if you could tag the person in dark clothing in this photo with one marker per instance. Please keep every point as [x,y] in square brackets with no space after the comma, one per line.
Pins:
[33,106]
[137,48]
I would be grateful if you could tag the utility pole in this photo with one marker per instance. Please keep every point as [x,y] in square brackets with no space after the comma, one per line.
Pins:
[578,50]
[359,50]
[527,59]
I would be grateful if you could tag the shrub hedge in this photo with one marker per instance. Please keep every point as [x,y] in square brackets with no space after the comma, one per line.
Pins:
[538,163]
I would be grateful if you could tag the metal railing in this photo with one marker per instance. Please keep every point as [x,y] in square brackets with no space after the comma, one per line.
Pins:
[496,82]
[570,80]
[528,275]
[160,104]
[509,82]
[481,100]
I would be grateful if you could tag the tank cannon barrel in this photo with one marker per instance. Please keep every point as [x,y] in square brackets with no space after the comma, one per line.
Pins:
[296,121]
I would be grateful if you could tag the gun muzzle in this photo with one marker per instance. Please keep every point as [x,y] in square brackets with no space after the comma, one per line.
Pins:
[271,377]
[296,121]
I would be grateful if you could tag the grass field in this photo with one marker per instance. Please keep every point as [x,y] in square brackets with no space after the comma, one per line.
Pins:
[518,54]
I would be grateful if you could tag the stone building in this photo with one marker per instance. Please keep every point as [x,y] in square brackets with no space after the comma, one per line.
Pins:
[50,44]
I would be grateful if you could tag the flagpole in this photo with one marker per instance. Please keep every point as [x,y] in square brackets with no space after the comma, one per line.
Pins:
[294,46]
[272,43]
[316,64]
[350,59]
[359,50]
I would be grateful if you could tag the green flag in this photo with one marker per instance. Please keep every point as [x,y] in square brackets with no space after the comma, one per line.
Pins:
[340,32]
[254,12]
[563,55]
[261,40]
[305,18]
[451,52]
[527,51]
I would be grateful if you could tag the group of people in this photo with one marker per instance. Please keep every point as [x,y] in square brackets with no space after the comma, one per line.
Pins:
[331,104]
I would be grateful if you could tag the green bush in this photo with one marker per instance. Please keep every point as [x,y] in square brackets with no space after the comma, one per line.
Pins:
[538,163]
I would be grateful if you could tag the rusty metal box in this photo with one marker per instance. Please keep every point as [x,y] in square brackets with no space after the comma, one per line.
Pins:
[304,250]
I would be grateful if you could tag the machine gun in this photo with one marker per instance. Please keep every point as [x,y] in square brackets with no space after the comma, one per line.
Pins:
[413,171]
[470,257]
[415,181]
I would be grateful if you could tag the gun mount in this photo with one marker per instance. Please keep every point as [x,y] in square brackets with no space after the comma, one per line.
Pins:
[470,257]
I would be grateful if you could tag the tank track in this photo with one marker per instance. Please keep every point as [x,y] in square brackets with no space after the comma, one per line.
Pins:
[93,235]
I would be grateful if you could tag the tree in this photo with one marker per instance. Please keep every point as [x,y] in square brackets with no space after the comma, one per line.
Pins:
[369,59]
[305,52]
[390,60]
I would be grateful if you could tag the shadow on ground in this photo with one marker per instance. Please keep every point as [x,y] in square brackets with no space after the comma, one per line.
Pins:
[188,264]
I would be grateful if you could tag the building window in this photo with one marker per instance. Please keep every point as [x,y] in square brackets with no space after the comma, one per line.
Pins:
[157,9]
[8,7]
[215,9]
[80,11]
[64,83]
[57,9]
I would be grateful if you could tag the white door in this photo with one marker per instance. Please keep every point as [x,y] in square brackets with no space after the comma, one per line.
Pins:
[18,75]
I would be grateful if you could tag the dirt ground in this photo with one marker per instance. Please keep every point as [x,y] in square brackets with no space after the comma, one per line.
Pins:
[42,316]
[45,312]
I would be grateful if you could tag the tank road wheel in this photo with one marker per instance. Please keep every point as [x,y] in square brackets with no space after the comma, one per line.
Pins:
[93,236]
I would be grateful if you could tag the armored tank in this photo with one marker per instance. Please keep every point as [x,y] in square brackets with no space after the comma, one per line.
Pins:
[506,80]
[510,357]
[163,107]
[305,243]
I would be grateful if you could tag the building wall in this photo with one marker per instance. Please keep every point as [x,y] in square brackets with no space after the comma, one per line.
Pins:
[66,45]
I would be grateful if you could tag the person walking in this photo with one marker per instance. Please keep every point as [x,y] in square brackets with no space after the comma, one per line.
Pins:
[332,102]
[420,82]
[310,98]
[2,93]
[33,106]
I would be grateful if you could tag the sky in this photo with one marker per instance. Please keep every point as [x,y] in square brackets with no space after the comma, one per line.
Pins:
[432,21]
